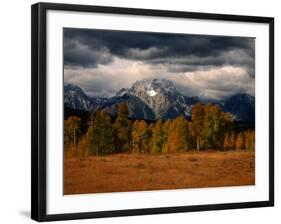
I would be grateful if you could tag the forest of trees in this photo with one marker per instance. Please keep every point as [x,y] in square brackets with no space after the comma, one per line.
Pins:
[209,128]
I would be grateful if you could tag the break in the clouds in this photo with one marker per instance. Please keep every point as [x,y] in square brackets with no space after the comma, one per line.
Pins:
[102,62]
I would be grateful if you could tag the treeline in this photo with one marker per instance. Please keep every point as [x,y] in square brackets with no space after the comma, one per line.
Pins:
[209,128]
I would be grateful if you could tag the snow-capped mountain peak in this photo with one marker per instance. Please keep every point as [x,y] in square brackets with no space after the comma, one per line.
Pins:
[151,92]
[161,96]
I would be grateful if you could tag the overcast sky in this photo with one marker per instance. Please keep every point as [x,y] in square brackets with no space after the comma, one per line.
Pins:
[102,62]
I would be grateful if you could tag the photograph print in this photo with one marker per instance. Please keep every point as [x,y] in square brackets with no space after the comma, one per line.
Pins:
[157,111]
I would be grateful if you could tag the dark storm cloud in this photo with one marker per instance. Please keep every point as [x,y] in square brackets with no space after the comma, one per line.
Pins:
[101,62]
[89,48]
[80,54]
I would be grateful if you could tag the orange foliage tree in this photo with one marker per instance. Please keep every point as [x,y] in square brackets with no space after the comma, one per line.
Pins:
[240,141]
[179,138]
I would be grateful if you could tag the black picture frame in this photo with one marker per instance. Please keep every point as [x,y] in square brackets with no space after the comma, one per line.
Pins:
[38,108]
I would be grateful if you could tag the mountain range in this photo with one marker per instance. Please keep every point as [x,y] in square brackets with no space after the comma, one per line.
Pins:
[152,99]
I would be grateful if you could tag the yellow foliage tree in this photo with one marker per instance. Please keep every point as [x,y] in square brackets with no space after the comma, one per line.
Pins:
[240,141]
[216,124]
[71,131]
[157,137]
[84,146]
[198,115]
[232,141]
[179,138]
[226,143]
[140,136]
[167,126]
[250,140]
[100,134]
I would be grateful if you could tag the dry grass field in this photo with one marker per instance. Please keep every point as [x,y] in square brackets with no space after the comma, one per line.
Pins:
[138,172]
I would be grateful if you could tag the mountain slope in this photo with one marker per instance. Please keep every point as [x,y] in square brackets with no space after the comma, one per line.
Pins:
[75,98]
[161,96]
[137,108]
[242,106]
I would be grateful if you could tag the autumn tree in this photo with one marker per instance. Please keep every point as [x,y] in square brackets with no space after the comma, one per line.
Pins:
[101,134]
[232,141]
[166,130]
[229,141]
[240,141]
[157,137]
[198,115]
[250,140]
[193,134]
[84,146]
[151,127]
[210,119]
[216,124]
[146,137]
[212,126]
[141,136]
[179,138]
[226,143]
[149,134]
[122,129]
[135,137]
[71,131]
